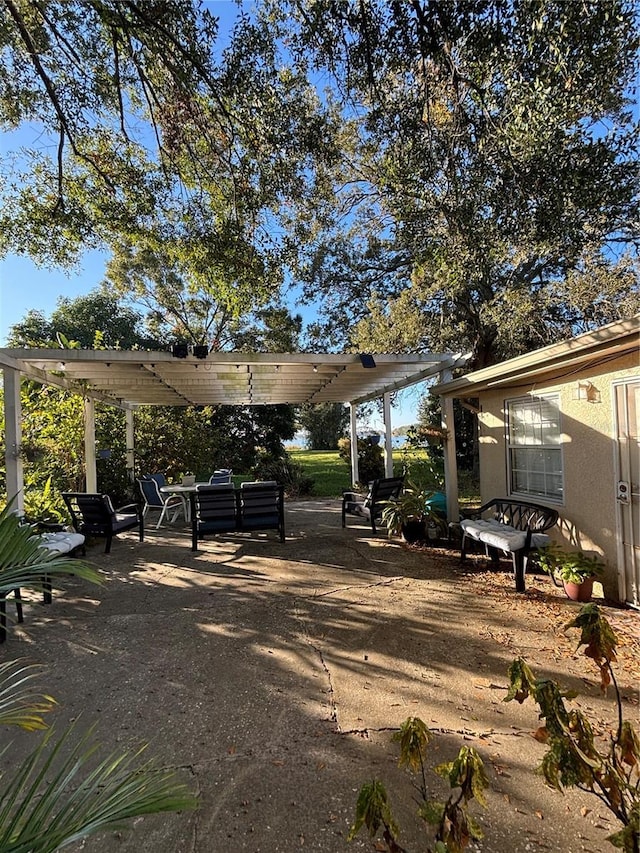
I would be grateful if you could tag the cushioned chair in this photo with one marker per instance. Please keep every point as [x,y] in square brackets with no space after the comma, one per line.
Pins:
[222,476]
[160,479]
[213,510]
[155,500]
[94,515]
[261,507]
[55,542]
[370,506]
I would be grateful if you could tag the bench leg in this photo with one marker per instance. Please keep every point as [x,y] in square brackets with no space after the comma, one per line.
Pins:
[3,612]
[519,562]
[47,589]
[18,597]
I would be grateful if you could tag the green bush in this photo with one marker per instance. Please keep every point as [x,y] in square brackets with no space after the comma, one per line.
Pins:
[284,470]
[370,459]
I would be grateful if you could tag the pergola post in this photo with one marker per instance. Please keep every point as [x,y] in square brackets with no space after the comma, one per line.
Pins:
[91,474]
[388,449]
[450,463]
[355,475]
[13,438]
[130,443]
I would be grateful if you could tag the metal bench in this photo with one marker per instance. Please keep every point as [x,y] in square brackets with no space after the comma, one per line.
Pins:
[514,527]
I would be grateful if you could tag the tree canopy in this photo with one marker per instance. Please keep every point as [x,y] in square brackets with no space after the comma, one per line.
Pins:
[454,175]
[489,156]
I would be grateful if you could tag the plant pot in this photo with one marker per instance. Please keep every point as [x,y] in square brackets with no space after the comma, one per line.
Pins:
[579,591]
[414,531]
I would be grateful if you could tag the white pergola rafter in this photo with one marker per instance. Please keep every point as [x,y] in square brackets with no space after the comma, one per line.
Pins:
[131,378]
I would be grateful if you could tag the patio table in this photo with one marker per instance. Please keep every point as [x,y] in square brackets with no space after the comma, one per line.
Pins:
[183,492]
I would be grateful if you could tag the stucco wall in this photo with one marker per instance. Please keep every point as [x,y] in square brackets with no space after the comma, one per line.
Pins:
[588,514]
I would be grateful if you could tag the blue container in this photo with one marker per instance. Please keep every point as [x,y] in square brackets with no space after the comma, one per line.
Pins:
[438,503]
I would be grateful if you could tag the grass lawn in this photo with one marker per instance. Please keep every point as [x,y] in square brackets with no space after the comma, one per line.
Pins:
[332,476]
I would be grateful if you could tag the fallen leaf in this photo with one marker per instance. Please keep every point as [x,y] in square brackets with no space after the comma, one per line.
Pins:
[541,734]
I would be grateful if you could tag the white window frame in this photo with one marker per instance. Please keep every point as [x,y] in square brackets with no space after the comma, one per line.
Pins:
[511,446]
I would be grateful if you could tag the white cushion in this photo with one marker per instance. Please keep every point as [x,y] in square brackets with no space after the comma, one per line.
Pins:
[507,540]
[503,536]
[62,542]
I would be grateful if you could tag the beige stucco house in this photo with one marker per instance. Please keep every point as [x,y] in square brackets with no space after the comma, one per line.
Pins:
[559,426]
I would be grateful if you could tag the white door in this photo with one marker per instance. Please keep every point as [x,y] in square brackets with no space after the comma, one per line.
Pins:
[627,410]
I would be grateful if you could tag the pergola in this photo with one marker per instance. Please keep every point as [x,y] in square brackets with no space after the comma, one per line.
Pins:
[128,379]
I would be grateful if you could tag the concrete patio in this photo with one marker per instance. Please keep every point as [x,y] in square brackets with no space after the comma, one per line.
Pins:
[272,677]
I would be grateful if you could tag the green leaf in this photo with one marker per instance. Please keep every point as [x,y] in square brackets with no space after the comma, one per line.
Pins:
[413,736]
[521,681]
[57,798]
[372,811]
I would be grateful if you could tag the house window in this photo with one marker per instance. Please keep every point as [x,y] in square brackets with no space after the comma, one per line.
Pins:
[534,449]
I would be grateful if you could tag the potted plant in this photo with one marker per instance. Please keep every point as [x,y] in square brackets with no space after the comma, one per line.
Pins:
[409,515]
[575,569]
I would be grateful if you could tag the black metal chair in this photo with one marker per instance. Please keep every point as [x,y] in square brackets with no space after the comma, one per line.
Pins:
[261,507]
[370,506]
[213,510]
[94,515]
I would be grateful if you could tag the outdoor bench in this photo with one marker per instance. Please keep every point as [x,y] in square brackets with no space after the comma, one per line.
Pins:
[514,527]
[221,508]
[370,506]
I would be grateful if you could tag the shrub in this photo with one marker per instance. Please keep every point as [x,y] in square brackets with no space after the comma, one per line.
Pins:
[454,826]
[370,459]
[284,470]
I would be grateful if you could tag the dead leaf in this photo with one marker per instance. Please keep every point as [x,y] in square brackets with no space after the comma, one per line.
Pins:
[541,734]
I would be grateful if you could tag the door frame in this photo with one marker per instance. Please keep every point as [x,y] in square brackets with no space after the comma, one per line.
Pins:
[624,571]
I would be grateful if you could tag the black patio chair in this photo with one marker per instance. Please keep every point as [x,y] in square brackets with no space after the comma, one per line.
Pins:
[94,515]
[261,506]
[370,506]
[213,510]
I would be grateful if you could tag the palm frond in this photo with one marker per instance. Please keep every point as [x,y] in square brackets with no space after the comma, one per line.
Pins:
[38,816]
[19,704]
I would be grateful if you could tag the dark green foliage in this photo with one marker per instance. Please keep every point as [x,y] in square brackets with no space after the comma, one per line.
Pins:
[570,566]
[284,470]
[80,319]
[370,459]
[492,170]
[325,424]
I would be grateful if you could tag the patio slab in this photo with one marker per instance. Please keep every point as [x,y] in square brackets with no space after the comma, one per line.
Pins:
[272,676]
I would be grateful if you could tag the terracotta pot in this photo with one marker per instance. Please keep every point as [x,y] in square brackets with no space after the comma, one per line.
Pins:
[579,591]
